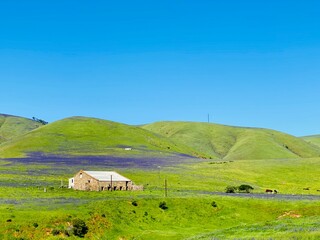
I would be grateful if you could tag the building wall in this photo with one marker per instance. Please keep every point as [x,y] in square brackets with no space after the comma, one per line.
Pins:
[83,181]
[71,183]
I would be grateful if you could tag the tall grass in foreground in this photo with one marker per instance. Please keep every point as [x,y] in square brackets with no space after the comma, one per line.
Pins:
[184,217]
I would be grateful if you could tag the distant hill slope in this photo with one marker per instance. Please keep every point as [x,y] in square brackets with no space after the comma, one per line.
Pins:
[314,139]
[13,126]
[234,142]
[90,136]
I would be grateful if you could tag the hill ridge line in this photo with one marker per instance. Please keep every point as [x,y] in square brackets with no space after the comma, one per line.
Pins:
[91,136]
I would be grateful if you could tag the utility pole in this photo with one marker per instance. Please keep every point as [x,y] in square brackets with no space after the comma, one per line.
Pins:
[208,118]
[165,188]
[159,168]
[111,182]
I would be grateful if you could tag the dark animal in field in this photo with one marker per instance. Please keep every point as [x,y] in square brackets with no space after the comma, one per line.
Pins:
[318,190]
[275,191]
[306,188]
[269,191]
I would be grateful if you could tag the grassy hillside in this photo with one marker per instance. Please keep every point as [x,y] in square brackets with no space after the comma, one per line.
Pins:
[13,126]
[314,139]
[234,142]
[89,136]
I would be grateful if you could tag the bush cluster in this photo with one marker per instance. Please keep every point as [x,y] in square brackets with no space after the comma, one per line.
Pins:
[242,188]
[78,228]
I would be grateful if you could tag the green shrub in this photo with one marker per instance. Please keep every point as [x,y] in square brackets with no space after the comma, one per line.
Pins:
[246,188]
[79,227]
[214,204]
[163,205]
[35,225]
[134,203]
[55,232]
[231,189]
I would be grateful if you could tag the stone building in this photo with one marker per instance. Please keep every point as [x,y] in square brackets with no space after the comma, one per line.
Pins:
[100,181]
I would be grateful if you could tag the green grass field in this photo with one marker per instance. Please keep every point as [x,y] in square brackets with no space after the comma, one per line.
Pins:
[186,217]
[34,206]
[190,214]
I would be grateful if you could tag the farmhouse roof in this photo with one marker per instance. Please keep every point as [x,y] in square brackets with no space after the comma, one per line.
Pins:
[106,176]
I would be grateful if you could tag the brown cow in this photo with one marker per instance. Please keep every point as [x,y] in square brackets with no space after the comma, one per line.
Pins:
[269,191]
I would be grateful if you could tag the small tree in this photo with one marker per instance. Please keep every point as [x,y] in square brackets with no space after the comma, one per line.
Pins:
[163,205]
[231,189]
[39,121]
[79,227]
[245,188]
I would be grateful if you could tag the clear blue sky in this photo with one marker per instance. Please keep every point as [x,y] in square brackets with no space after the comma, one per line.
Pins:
[246,63]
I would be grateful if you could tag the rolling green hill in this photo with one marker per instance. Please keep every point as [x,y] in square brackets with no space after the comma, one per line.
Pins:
[314,139]
[13,126]
[90,136]
[230,143]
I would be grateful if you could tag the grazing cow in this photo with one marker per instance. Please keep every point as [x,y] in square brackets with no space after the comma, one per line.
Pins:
[275,191]
[306,188]
[269,191]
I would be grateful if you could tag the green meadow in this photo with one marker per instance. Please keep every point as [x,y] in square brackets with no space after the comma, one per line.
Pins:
[190,214]
[196,160]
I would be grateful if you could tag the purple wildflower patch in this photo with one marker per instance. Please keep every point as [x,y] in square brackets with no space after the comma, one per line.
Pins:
[105,161]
